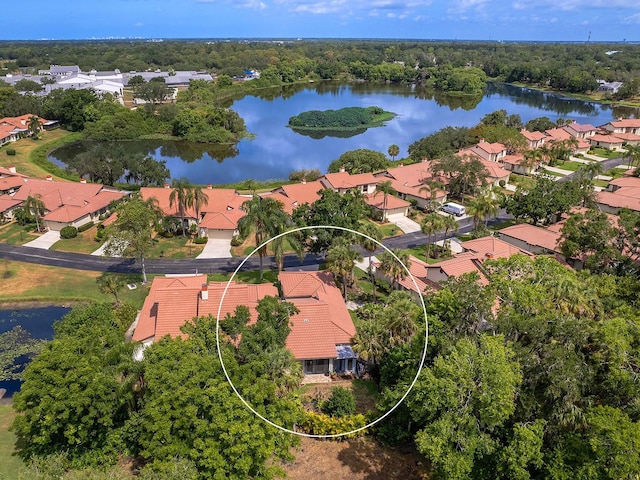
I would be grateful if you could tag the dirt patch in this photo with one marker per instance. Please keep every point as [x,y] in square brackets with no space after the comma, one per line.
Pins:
[363,391]
[358,459]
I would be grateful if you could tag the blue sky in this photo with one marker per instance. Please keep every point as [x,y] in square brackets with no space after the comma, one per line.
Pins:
[551,20]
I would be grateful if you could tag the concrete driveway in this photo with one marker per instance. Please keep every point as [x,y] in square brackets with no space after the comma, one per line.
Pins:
[216,248]
[405,224]
[45,240]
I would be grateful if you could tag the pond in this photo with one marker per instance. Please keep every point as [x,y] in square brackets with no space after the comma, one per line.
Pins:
[274,150]
[38,322]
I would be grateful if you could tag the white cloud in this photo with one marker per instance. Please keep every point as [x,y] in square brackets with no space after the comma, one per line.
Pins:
[573,4]
[461,6]
[138,24]
[633,19]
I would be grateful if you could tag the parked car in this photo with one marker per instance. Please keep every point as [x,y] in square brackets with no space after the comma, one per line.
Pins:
[453,209]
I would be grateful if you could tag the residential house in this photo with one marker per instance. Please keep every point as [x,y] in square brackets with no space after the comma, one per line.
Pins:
[342,182]
[13,128]
[320,334]
[68,203]
[514,163]
[560,135]
[623,125]
[393,206]
[534,139]
[620,197]
[492,152]
[623,182]
[412,183]
[296,194]
[608,142]
[611,87]
[530,238]
[7,207]
[218,218]
[579,130]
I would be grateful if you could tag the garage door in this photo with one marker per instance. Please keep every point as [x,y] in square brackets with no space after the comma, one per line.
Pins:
[220,234]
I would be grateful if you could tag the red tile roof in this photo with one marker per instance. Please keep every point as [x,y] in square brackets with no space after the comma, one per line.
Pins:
[626,123]
[492,148]
[606,138]
[626,182]
[377,201]
[344,180]
[627,137]
[532,136]
[536,236]
[322,323]
[491,247]
[296,194]
[7,203]
[219,200]
[626,197]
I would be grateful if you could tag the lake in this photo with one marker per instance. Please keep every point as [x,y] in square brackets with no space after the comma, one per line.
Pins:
[37,321]
[275,150]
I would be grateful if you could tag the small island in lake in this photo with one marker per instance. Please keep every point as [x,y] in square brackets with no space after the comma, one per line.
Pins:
[344,120]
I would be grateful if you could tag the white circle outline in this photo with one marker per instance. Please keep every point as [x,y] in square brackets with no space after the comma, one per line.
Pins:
[284,429]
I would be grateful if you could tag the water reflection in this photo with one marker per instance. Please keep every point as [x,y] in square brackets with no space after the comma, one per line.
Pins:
[274,150]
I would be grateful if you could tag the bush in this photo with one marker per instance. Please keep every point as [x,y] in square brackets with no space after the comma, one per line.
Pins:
[502,183]
[237,241]
[11,151]
[200,240]
[68,232]
[85,227]
[340,404]
[320,424]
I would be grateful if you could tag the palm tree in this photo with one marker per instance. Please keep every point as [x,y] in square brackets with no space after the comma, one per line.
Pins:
[111,284]
[35,205]
[431,186]
[633,153]
[393,151]
[267,217]
[431,224]
[449,224]
[340,261]
[370,245]
[34,126]
[482,207]
[392,268]
[181,198]
[199,199]
[386,188]
[401,317]
[367,343]
[531,159]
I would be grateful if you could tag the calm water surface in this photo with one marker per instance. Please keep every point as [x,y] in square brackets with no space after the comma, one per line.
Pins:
[37,321]
[276,150]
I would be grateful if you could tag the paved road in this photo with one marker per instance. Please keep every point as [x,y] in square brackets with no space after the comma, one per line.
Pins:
[81,261]
[606,165]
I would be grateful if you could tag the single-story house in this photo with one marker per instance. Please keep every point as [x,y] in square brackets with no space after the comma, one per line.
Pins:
[394,205]
[7,206]
[296,194]
[218,217]
[69,203]
[623,182]
[623,197]
[321,331]
[609,142]
[514,162]
[559,135]
[530,238]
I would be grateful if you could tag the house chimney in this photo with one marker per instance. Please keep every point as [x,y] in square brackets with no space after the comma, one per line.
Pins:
[209,187]
[481,140]
[401,164]
[49,177]
[83,180]
[11,168]
[204,292]
[304,181]
[343,169]
[166,185]
[489,255]
[425,159]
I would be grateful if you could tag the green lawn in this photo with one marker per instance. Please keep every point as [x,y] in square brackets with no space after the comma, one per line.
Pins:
[571,166]
[83,243]
[176,247]
[553,174]
[602,152]
[419,253]
[522,181]
[27,282]
[10,465]
[16,234]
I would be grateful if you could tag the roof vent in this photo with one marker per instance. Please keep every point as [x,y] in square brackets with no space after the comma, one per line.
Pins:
[306,320]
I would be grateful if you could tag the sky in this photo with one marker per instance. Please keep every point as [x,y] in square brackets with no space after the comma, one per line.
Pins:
[507,20]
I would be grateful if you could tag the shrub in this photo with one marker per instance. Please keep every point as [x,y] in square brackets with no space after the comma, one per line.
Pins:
[236,241]
[200,240]
[85,227]
[340,404]
[11,151]
[68,232]
[320,424]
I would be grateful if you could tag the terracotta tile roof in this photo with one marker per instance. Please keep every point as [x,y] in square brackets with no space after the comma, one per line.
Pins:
[460,265]
[344,180]
[606,138]
[322,323]
[494,147]
[6,172]
[515,159]
[294,195]
[626,123]
[626,197]
[580,127]
[222,221]
[491,247]
[626,182]
[536,236]
[534,136]
[377,201]
[627,137]
[8,183]
[6,131]
[219,200]
[68,201]
[7,202]
[558,134]
[496,172]
[418,269]
[411,175]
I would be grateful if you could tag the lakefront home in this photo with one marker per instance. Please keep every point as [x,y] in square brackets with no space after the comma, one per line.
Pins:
[321,332]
